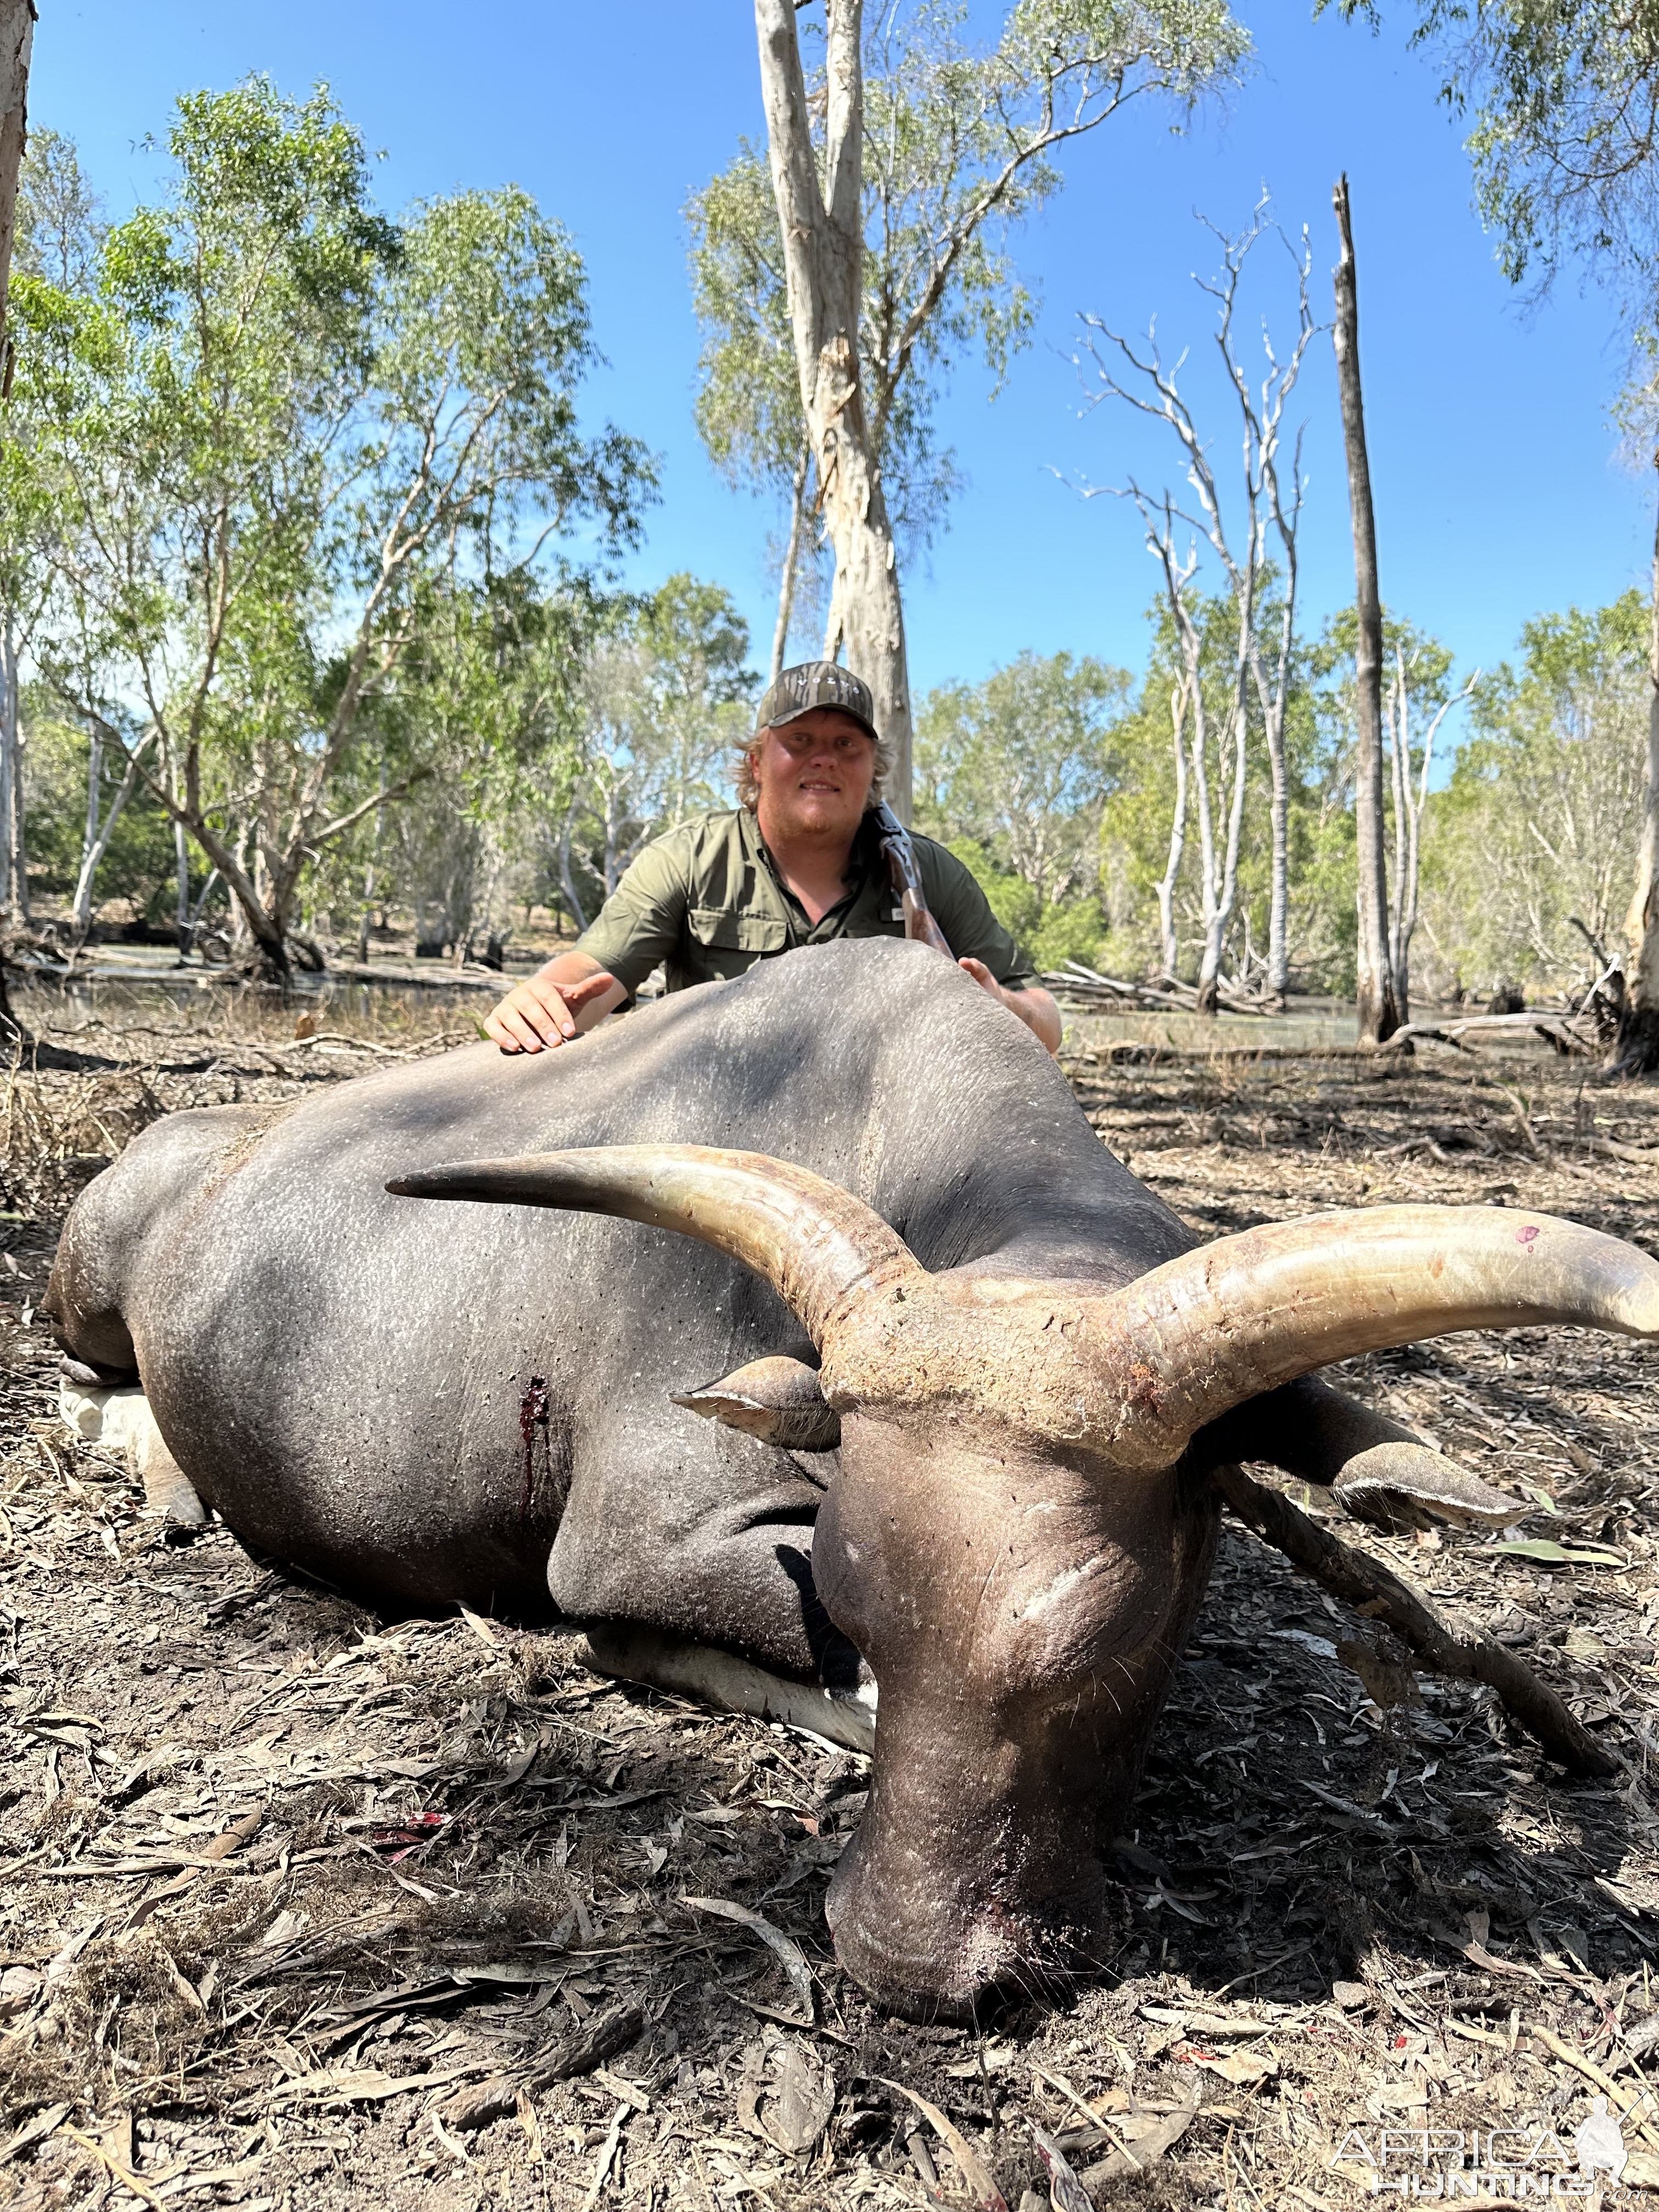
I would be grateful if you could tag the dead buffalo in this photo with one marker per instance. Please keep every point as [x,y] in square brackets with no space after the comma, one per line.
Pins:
[993,1378]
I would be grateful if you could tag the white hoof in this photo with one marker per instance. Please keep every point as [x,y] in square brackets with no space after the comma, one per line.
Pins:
[121,1422]
[719,1678]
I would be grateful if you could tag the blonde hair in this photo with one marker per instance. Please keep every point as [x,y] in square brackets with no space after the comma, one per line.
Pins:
[748,752]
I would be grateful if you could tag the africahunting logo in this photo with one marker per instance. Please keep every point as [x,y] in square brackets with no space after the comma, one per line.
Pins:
[1443,2165]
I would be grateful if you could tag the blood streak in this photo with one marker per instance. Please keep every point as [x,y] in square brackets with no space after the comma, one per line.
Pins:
[1528,1235]
[532,1415]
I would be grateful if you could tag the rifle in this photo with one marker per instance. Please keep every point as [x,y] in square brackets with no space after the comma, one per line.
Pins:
[905,873]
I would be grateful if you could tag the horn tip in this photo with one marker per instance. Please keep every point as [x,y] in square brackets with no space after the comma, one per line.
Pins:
[423,1183]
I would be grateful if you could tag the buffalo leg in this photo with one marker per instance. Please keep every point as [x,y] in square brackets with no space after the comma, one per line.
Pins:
[736,1685]
[695,1531]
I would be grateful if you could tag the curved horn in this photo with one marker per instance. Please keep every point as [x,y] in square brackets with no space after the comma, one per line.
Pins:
[1199,1335]
[821,1249]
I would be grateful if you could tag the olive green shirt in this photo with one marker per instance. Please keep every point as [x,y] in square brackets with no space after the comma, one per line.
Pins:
[707,900]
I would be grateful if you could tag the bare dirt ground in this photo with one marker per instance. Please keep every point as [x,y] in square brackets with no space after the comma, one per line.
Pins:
[304,1909]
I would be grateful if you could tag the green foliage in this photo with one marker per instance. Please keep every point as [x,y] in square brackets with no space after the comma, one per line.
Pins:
[1018,770]
[1540,820]
[748,408]
[1012,899]
[59,230]
[665,708]
[292,447]
[1563,96]
[957,144]
[1135,830]
[139,865]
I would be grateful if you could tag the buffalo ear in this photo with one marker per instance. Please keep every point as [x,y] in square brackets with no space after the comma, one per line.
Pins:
[777,1400]
[1407,1485]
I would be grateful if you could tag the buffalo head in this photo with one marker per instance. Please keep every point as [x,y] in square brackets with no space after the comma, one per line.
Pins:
[1019,1534]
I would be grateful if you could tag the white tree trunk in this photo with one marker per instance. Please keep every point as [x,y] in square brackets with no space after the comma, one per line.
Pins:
[823,233]
[14,852]
[17,19]
[1167,938]
[1278,897]
[181,930]
[1397,718]
[96,839]
[566,881]
[94,800]
[1274,693]
[1226,895]
[791,562]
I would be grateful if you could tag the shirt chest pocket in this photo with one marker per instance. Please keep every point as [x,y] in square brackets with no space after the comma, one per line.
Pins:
[725,944]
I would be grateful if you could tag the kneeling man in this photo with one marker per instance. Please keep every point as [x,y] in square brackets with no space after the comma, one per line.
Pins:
[797,862]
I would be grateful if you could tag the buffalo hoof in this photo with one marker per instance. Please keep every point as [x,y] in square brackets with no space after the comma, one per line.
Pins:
[120,1421]
[721,1678]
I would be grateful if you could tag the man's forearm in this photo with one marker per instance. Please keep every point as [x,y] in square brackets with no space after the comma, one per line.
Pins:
[1039,1013]
[566,968]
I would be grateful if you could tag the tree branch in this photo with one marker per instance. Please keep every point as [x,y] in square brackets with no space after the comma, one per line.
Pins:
[1445,1647]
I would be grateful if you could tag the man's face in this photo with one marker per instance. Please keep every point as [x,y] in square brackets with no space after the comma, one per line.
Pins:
[815,774]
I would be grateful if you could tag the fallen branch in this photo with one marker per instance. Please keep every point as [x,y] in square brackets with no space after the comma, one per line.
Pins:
[1088,983]
[1556,1030]
[1610,1148]
[1444,1646]
[1628,2103]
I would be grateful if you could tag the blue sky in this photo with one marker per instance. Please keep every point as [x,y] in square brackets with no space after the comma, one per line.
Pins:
[1499,492]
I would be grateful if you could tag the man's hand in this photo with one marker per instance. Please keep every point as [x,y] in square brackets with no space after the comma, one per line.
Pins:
[556,1005]
[1034,1007]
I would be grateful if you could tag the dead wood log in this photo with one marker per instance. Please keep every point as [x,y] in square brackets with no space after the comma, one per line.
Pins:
[1610,1148]
[1443,1645]
[1090,987]
[1556,1030]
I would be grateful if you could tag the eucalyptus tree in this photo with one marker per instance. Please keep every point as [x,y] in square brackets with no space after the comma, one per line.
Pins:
[58,235]
[1563,102]
[1532,834]
[315,415]
[896,173]
[1023,765]
[485,724]
[664,710]
[748,406]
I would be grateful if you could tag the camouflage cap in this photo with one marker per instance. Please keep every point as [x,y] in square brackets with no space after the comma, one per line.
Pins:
[812,683]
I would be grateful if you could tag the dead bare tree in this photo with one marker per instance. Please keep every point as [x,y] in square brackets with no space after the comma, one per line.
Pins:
[1271,503]
[1410,761]
[1380,1010]
[1635,1051]
[1168,938]
[1216,800]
